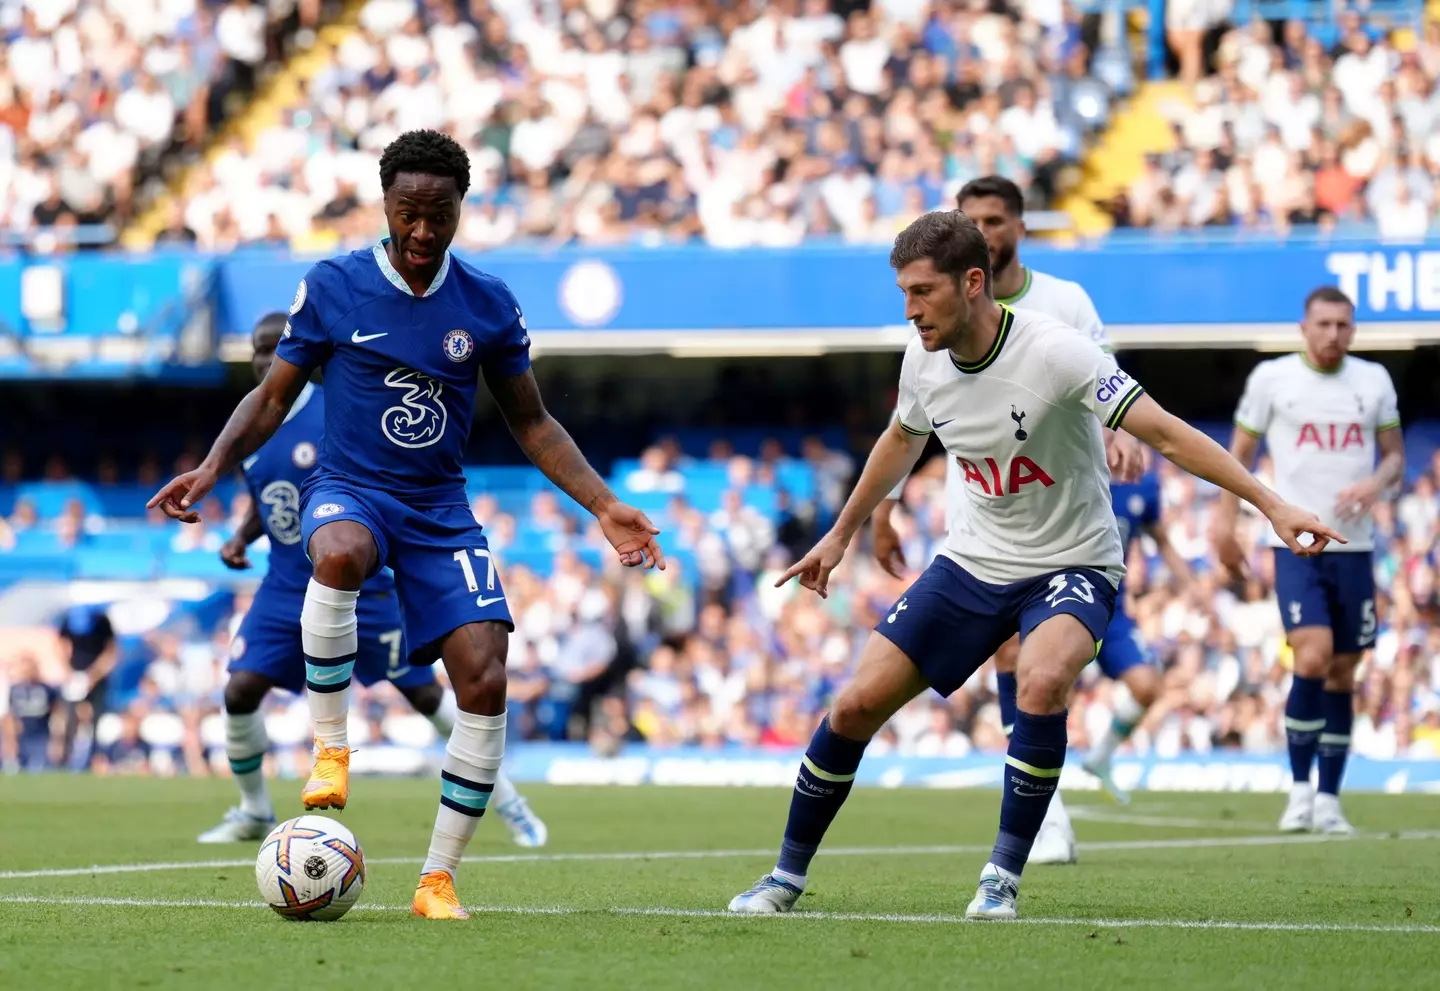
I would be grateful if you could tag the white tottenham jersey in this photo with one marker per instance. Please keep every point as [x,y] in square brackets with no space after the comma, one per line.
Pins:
[1023,428]
[1320,430]
[1059,299]
[1063,300]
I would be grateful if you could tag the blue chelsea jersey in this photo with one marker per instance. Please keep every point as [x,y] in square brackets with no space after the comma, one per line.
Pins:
[274,474]
[401,371]
[1137,506]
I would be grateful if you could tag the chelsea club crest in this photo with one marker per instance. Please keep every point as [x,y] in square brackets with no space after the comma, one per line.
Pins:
[459,345]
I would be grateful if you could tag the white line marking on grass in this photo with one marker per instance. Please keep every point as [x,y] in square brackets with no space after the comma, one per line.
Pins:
[690,913]
[1279,839]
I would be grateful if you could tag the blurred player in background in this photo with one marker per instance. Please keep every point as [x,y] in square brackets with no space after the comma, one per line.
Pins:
[997,206]
[1036,551]
[404,331]
[1325,417]
[268,652]
[1124,656]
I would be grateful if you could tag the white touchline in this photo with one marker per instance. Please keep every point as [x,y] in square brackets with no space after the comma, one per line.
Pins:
[694,913]
[1280,839]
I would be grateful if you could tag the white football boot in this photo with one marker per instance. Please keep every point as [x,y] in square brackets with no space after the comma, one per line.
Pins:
[996,896]
[1299,814]
[768,896]
[526,828]
[238,826]
[1329,818]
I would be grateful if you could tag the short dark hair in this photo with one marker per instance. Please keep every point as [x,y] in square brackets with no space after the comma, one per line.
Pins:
[425,153]
[1327,294]
[994,185]
[274,320]
[949,239]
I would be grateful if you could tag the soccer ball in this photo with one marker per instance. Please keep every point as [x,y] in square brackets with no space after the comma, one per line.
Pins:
[310,868]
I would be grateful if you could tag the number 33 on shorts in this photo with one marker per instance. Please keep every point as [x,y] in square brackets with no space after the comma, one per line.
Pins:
[1070,588]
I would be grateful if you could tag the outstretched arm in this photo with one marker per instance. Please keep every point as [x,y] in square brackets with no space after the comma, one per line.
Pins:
[550,448]
[1199,455]
[254,422]
[893,455]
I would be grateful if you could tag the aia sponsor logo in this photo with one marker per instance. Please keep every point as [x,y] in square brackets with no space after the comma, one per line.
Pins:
[994,482]
[1330,436]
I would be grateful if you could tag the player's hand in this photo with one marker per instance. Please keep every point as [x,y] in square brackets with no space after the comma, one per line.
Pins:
[1357,500]
[1292,521]
[179,496]
[1124,456]
[1231,554]
[233,554]
[814,568]
[632,535]
[885,543]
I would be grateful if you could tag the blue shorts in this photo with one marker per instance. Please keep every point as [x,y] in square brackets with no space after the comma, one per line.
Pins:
[268,642]
[1335,590]
[949,622]
[444,574]
[1123,648]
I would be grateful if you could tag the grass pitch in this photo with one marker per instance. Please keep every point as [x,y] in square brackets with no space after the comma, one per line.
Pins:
[103,886]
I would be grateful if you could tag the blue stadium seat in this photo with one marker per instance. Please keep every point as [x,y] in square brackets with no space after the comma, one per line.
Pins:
[50,497]
[113,565]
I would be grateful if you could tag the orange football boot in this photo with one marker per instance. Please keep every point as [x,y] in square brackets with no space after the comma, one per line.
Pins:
[329,784]
[435,897]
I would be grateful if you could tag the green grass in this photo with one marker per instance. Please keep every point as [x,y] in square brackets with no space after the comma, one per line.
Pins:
[1383,881]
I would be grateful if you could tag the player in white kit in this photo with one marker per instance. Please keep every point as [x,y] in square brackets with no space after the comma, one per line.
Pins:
[1325,417]
[1036,551]
[997,207]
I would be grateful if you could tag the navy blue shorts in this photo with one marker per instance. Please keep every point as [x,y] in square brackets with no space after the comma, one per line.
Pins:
[949,622]
[268,642]
[443,571]
[1123,647]
[1335,590]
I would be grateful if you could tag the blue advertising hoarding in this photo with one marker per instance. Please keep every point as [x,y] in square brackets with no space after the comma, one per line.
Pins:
[1151,292]
[1221,771]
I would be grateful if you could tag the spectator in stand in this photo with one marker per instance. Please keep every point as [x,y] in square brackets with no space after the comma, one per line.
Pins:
[32,726]
[646,123]
[90,652]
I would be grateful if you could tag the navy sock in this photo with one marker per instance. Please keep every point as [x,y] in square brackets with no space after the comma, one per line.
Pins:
[1005,689]
[1304,719]
[1032,774]
[1339,709]
[827,773]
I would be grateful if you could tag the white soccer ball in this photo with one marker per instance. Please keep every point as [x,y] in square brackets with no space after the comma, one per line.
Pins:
[311,868]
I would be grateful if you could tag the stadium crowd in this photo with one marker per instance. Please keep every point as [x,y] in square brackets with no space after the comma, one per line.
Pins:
[708,653]
[94,93]
[648,122]
[1286,130]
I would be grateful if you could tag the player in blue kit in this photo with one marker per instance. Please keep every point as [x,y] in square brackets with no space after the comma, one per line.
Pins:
[267,651]
[404,331]
[1124,656]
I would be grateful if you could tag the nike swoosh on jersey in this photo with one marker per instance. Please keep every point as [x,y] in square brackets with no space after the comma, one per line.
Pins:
[937,424]
[360,338]
[482,601]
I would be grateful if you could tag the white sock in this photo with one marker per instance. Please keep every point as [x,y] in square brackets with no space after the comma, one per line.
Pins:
[327,632]
[467,779]
[245,746]
[797,880]
[1056,815]
[1127,716]
[443,718]
[505,792]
